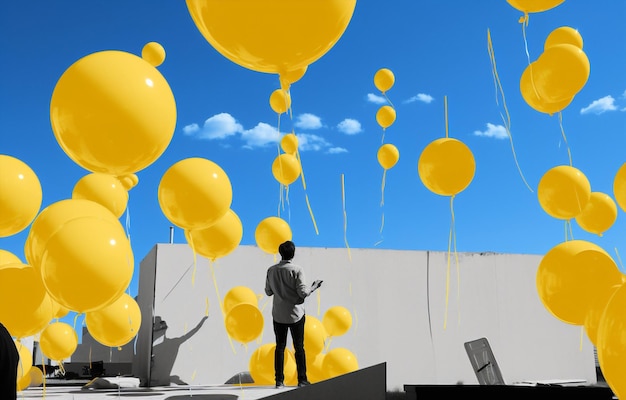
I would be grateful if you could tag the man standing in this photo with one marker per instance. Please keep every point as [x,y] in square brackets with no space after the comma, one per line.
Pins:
[9,360]
[286,282]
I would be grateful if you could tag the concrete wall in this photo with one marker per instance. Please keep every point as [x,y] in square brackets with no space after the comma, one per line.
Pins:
[398,304]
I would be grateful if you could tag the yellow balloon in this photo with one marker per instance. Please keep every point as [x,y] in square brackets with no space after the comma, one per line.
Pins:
[195,193]
[238,295]
[53,217]
[273,36]
[289,143]
[339,361]
[58,341]
[58,311]
[290,77]
[619,187]
[129,181]
[270,233]
[534,6]
[571,275]
[446,166]
[314,336]
[261,365]
[36,377]
[20,195]
[384,79]
[286,168]
[219,239]
[113,112]
[25,307]
[6,257]
[244,322]
[337,320]
[594,313]
[116,324]
[599,214]
[153,53]
[314,368]
[104,189]
[611,345]
[564,35]
[386,116]
[563,192]
[388,155]
[280,101]
[560,72]
[87,264]
[532,97]
[24,366]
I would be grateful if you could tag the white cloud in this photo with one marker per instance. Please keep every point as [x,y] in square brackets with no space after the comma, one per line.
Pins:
[219,126]
[308,121]
[308,142]
[493,131]
[337,150]
[421,97]
[624,94]
[600,106]
[349,126]
[260,136]
[376,99]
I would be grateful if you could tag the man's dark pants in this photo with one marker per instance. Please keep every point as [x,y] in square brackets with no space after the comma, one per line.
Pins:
[297,336]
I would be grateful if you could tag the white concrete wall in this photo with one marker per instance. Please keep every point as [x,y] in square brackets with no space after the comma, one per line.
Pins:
[398,304]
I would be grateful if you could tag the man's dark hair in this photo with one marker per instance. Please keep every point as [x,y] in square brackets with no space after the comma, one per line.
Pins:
[287,250]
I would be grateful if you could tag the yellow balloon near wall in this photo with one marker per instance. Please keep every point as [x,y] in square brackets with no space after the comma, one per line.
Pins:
[446,166]
[238,295]
[610,343]
[116,324]
[20,195]
[103,189]
[315,336]
[563,192]
[339,361]
[270,233]
[337,320]
[58,341]
[219,239]
[599,214]
[244,322]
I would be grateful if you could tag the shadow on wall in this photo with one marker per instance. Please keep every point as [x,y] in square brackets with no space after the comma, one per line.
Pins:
[165,351]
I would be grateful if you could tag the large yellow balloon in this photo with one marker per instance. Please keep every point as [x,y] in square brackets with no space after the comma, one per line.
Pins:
[280,101]
[611,344]
[270,233]
[337,320]
[87,264]
[116,324]
[289,143]
[563,192]
[339,361]
[532,97]
[314,368]
[261,365]
[286,168]
[619,187]
[386,116]
[315,336]
[594,313]
[274,36]
[599,214]
[219,239]
[25,307]
[560,72]
[384,79]
[20,195]
[534,6]
[113,112]
[571,275]
[388,155]
[244,322]
[195,193]
[564,35]
[53,217]
[58,341]
[446,166]
[238,295]
[104,189]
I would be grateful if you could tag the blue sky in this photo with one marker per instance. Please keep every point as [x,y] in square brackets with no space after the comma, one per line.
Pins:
[436,49]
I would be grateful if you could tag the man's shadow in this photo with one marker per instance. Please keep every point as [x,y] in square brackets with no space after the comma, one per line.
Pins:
[165,351]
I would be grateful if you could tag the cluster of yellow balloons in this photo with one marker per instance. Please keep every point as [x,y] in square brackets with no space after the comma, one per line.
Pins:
[243,320]
[550,83]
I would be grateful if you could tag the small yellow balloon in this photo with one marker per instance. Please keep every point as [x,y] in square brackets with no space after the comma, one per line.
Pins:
[446,166]
[244,322]
[384,79]
[339,361]
[563,192]
[195,193]
[388,155]
[280,101]
[129,181]
[36,377]
[337,320]
[116,324]
[270,233]
[219,239]
[532,97]
[619,187]
[238,295]
[599,214]
[386,116]
[58,341]
[153,53]
[104,189]
[564,35]
[20,195]
[286,168]
[290,77]
[289,143]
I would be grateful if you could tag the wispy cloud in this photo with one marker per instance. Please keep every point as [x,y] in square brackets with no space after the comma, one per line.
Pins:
[421,97]
[337,150]
[309,142]
[350,126]
[260,136]
[493,131]
[308,121]
[376,99]
[219,126]
[600,106]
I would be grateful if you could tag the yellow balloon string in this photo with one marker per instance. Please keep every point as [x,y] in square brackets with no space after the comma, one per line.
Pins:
[345,216]
[382,203]
[387,98]
[43,365]
[195,259]
[506,121]
[206,308]
[319,302]
[569,153]
[445,112]
[306,196]
[219,299]
[582,335]
[619,259]
[382,140]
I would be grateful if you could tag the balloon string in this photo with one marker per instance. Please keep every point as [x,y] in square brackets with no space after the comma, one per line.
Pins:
[382,203]
[569,153]
[456,260]
[195,259]
[387,98]
[507,121]
[382,140]
[306,196]
[219,299]
[345,216]
[582,335]
[524,21]
[445,112]
[619,259]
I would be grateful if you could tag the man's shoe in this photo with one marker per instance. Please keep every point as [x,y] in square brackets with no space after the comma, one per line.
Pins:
[304,383]
[280,385]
